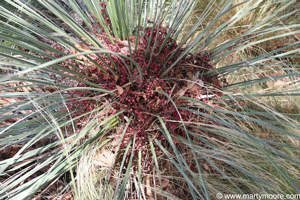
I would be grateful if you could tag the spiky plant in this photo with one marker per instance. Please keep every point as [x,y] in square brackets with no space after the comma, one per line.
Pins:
[147,99]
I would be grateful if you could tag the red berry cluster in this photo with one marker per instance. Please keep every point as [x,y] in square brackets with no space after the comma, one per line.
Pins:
[105,17]
[139,97]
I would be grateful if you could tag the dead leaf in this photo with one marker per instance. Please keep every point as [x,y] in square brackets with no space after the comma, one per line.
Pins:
[124,43]
[178,73]
[190,75]
[145,97]
[117,77]
[125,51]
[126,118]
[164,183]
[181,92]
[120,90]
[94,76]
[132,39]
[179,76]
[105,76]
[192,87]
[159,89]
[104,158]
[148,189]
[127,88]
[83,48]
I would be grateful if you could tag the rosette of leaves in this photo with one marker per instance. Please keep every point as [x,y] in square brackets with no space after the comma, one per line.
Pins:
[143,99]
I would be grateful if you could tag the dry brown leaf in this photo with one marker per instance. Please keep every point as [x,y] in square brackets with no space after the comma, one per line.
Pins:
[179,76]
[159,89]
[148,189]
[164,183]
[105,76]
[140,40]
[94,76]
[125,51]
[181,92]
[190,75]
[104,158]
[83,48]
[120,90]
[117,77]
[145,97]
[126,118]
[127,88]
[178,73]
[192,87]
[124,43]
[132,39]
